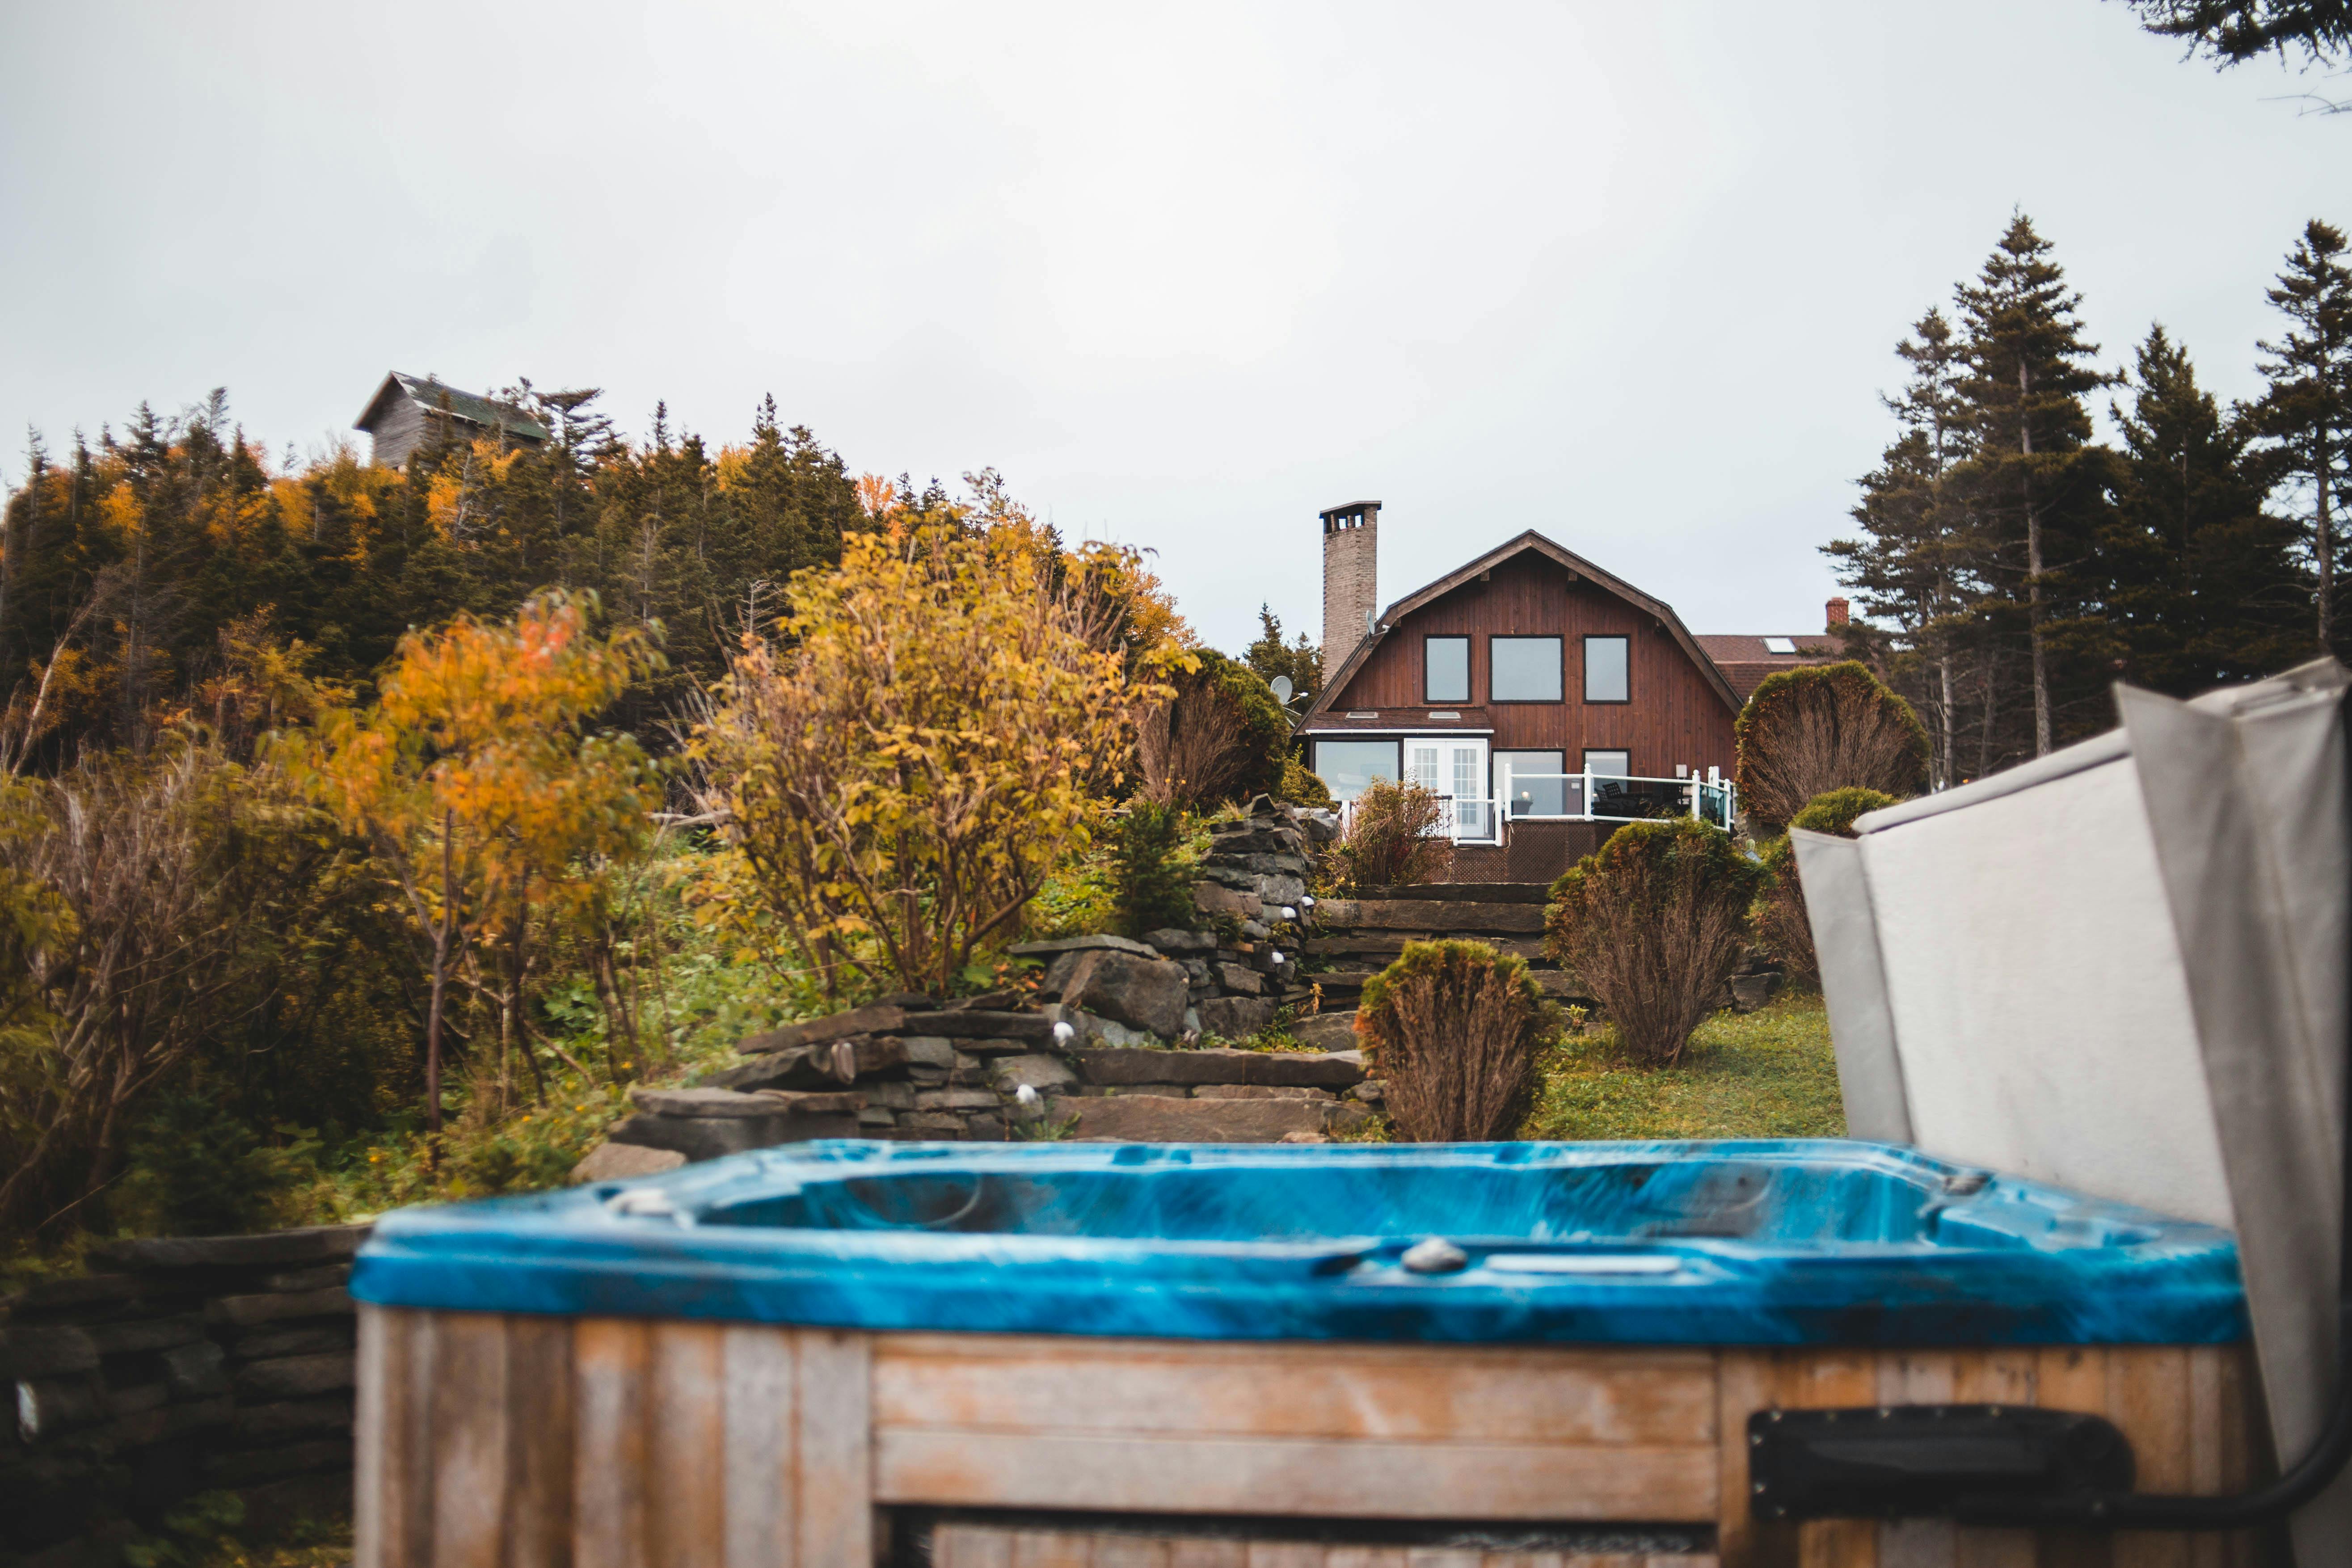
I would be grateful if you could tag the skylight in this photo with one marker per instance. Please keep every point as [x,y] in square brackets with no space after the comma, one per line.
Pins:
[1780,645]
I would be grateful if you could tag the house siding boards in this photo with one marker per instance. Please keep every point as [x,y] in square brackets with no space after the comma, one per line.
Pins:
[408,412]
[1677,713]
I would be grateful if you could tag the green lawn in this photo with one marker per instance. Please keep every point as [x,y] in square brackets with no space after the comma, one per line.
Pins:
[1766,1074]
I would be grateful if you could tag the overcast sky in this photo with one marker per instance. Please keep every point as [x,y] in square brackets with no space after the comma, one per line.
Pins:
[1627,274]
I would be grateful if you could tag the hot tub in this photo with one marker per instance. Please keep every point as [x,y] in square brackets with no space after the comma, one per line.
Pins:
[787,1357]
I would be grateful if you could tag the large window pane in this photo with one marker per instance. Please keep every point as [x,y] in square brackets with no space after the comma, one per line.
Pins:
[1604,669]
[1449,669]
[1527,669]
[1348,767]
[1529,784]
[1608,765]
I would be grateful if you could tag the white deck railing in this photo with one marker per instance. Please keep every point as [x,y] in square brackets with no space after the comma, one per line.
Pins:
[1580,797]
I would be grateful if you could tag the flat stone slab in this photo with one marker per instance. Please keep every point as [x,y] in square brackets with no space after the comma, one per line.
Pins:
[1100,943]
[734,1102]
[1430,915]
[308,1244]
[619,1161]
[873,1020]
[1155,1119]
[983,1025]
[1305,1070]
[709,1137]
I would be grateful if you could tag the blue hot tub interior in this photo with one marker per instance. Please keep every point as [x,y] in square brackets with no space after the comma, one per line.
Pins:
[1760,1242]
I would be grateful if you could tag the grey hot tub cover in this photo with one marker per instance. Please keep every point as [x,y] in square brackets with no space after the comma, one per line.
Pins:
[2124,967]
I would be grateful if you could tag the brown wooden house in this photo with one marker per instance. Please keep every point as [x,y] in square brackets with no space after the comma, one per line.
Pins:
[1548,698]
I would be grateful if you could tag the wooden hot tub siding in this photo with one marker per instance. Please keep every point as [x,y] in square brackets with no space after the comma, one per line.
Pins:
[521,1441]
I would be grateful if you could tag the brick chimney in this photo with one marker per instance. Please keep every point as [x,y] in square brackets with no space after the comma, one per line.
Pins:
[1351,536]
[1837,613]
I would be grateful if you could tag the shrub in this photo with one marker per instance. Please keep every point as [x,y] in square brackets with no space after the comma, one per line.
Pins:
[1151,885]
[1301,785]
[197,1169]
[1396,836]
[1782,926]
[1824,727]
[1221,737]
[931,733]
[1653,924]
[1452,1026]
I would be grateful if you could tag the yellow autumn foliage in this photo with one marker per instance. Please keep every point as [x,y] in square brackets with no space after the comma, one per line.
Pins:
[935,726]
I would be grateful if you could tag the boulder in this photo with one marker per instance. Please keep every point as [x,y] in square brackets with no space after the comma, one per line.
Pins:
[619,1161]
[1260,1091]
[928,1050]
[1212,900]
[1234,1018]
[1749,992]
[1147,994]
[1324,1031]
[1240,977]
[982,1025]
[1010,1075]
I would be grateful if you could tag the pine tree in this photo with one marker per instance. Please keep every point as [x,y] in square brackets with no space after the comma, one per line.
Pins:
[1912,566]
[2203,586]
[2303,423]
[1269,656]
[2036,495]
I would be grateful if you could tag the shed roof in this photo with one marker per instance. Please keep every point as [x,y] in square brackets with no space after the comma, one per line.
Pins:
[1559,554]
[471,407]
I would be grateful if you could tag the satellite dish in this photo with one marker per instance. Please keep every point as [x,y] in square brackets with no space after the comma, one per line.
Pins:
[1281,684]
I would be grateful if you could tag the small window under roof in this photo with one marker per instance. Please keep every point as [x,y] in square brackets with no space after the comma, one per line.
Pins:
[1780,645]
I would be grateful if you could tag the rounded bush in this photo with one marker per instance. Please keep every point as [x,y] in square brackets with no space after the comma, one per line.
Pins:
[1452,1027]
[1821,728]
[1652,923]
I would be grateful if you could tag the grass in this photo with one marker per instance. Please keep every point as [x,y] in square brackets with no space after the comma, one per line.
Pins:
[1766,1074]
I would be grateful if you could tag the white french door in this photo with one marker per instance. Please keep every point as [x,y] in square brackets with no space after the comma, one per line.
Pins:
[1457,769]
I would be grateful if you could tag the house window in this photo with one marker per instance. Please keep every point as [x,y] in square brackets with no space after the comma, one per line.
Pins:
[1446,669]
[1529,783]
[1608,765]
[1605,670]
[1348,767]
[1525,670]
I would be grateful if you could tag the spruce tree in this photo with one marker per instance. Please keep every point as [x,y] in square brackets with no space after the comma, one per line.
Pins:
[1912,566]
[2028,480]
[1269,656]
[2303,423]
[2203,587]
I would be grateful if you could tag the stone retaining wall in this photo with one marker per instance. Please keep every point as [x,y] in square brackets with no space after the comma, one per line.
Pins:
[184,1365]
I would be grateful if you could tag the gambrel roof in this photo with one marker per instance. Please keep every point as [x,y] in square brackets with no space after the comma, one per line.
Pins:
[1576,565]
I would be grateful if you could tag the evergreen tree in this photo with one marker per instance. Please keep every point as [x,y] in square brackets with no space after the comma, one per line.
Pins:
[2036,490]
[2303,423]
[1269,656]
[1912,567]
[2204,585]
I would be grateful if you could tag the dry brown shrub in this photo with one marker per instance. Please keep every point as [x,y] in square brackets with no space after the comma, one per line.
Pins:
[1187,750]
[1397,836]
[1452,1026]
[1653,924]
[1825,727]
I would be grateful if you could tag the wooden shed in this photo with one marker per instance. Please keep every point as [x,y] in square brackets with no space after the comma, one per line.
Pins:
[412,411]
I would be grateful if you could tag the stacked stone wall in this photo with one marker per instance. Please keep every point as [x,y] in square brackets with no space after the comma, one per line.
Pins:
[181,1365]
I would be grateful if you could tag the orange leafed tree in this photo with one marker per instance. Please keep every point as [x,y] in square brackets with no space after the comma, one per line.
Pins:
[480,783]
